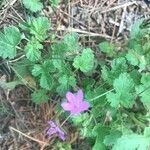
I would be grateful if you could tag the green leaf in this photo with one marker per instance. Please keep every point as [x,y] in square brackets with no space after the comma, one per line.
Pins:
[32,50]
[136,76]
[10,85]
[112,138]
[9,40]
[118,66]
[100,132]
[132,58]
[54,2]
[23,67]
[144,89]
[132,142]
[62,145]
[124,92]
[39,96]
[43,72]
[135,29]
[99,145]
[68,47]
[37,27]
[124,83]
[37,70]
[46,81]
[107,48]
[135,45]
[59,64]
[85,62]
[79,119]
[33,5]
[97,104]
[88,83]
[65,81]
[71,41]
[59,50]
[136,59]
[86,130]
[147,132]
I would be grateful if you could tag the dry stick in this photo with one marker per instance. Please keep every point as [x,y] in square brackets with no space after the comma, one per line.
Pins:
[117,7]
[6,8]
[111,2]
[121,27]
[69,11]
[29,137]
[4,16]
[11,3]
[88,28]
[114,29]
[83,32]
[73,18]
[12,105]
[15,140]
[17,14]
[78,30]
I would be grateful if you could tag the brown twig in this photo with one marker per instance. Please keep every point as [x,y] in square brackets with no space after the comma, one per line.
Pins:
[117,7]
[29,137]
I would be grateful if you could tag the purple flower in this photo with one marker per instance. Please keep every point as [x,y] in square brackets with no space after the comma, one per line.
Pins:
[75,103]
[55,130]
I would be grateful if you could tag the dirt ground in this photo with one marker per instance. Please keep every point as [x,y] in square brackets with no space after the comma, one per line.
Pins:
[22,124]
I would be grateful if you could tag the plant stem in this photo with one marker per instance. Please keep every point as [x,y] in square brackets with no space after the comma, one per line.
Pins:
[137,121]
[17,59]
[65,120]
[18,47]
[101,95]
[132,116]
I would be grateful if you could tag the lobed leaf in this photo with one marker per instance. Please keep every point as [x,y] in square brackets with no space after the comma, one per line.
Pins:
[65,83]
[43,72]
[118,66]
[38,27]
[84,62]
[124,92]
[9,40]
[132,142]
[39,96]
[33,5]
[32,50]
[144,90]
[107,48]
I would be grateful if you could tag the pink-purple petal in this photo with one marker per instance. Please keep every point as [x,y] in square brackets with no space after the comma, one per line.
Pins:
[75,111]
[62,136]
[52,124]
[55,130]
[75,104]
[79,96]
[66,106]
[84,106]
[70,97]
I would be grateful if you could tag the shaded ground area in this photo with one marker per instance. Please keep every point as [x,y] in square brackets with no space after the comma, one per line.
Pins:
[22,124]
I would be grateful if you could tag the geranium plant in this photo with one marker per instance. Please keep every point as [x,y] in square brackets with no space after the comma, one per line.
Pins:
[114,111]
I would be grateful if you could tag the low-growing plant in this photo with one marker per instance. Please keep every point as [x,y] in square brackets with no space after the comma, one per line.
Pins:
[114,112]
